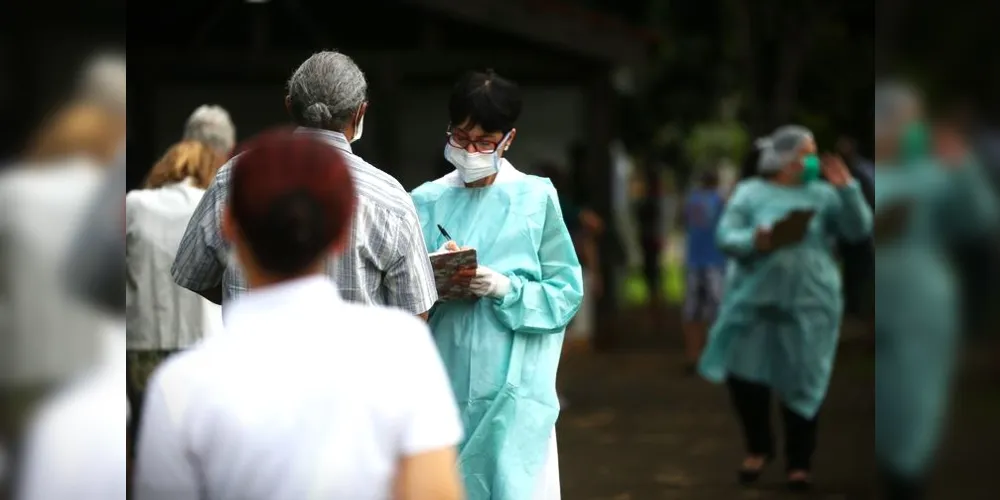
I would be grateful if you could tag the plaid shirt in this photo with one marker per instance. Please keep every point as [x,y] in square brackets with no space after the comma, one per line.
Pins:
[387,263]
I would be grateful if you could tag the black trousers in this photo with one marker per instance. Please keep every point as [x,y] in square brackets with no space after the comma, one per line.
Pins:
[897,487]
[753,407]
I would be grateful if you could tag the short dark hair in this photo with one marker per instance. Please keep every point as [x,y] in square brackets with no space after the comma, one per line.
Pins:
[292,196]
[710,179]
[485,99]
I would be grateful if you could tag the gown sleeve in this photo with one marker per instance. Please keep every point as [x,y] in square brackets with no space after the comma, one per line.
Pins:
[850,213]
[735,233]
[548,305]
[972,208]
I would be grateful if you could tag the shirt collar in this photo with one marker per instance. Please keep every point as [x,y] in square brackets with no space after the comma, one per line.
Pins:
[335,139]
[311,292]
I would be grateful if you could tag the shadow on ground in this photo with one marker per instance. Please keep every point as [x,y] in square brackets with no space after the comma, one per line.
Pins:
[636,428]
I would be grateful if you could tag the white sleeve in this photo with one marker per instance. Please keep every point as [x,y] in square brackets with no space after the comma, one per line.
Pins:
[431,421]
[164,466]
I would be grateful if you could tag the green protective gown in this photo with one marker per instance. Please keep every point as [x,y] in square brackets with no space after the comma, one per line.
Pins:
[917,304]
[779,322]
[502,354]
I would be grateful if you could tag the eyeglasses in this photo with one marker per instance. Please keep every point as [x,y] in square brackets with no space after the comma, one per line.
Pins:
[481,145]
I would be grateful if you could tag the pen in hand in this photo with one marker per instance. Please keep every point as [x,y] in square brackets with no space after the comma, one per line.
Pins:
[444,233]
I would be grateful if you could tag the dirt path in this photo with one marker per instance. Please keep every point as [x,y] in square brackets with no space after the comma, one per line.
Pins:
[636,428]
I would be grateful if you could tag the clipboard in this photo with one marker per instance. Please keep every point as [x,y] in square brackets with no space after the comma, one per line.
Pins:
[891,223]
[791,229]
[445,265]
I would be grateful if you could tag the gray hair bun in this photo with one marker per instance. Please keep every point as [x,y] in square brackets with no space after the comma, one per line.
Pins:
[317,113]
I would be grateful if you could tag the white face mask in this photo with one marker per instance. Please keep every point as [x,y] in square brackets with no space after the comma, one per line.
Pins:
[474,167]
[358,130]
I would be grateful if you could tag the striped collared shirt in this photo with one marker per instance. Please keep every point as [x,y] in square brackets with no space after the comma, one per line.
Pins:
[386,263]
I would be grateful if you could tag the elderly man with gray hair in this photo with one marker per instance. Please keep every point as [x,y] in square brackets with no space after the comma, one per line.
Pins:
[387,264]
[211,125]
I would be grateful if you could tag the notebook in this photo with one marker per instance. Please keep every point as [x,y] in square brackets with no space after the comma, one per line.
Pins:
[446,264]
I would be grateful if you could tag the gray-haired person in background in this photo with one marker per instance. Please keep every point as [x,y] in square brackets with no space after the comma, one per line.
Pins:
[387,262]
[211,125]
[76,445]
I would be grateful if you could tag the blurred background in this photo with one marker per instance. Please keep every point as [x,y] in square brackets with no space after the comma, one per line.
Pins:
[625,101]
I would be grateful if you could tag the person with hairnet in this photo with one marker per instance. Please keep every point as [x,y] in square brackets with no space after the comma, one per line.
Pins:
[778,325]
[211,126]
[917,322]
[502,349]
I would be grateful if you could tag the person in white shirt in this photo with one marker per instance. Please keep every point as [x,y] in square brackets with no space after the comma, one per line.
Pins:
[76,447]
[46,335]
[303,395]
[212,126]
[162,317]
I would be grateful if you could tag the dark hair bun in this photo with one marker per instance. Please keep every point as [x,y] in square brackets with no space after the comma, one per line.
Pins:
[292,197]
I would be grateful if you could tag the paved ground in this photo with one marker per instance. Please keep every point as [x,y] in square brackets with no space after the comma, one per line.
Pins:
[636,428]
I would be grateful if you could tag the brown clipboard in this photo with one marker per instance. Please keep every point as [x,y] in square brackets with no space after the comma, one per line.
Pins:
[792,228]
[445,265]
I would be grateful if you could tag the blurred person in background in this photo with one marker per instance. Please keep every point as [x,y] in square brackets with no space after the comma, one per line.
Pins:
[75,448]
[387,263]
[918,300]
[652,235]
[319,398]
[502,351]
[977,256]
[48,335]
[779,322]
[585,227]
[705,264]
[211,125]
[162,317]
[858,258]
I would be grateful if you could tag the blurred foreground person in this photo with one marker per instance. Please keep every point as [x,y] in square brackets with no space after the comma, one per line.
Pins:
[76,447]
[779,323]
[918,306]
[501,350]
[47,335]
[304,395]
[706,265]
[386,262]
[212,126]
[162,317]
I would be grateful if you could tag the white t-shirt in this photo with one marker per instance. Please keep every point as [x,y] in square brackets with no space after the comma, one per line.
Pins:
[303,396]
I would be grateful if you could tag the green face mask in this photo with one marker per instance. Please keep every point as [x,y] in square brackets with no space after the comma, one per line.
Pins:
[914,142]
[810,168]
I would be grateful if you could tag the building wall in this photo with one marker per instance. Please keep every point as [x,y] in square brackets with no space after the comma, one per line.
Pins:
[552,119]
